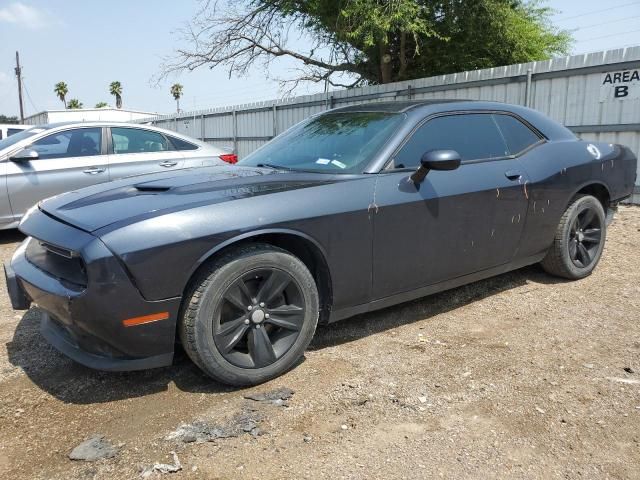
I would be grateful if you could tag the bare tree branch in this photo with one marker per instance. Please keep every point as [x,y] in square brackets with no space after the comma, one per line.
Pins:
[237,38]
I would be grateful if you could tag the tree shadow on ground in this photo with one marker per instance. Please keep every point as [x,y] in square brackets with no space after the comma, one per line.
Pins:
[70,382]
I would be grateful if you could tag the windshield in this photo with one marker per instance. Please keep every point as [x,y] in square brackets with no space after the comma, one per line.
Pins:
[334,143]
[16,137]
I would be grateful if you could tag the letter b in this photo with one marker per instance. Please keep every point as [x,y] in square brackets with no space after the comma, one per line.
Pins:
[621,91]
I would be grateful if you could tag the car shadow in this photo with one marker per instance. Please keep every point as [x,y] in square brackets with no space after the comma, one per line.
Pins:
[73,383]
[424,308]
[10,236]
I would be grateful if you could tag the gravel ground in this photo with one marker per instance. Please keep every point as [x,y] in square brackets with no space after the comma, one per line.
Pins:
[521,376]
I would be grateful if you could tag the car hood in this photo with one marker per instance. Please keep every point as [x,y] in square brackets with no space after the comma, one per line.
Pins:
[136,198]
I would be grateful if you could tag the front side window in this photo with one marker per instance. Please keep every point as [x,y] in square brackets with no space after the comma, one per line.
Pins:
[13,131]
[80,142]
[18,137]
[342,142]
[473,136]
[137,140]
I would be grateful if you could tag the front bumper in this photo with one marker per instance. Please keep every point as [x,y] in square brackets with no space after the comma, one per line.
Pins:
[64,342]
[19,300]
[86,323]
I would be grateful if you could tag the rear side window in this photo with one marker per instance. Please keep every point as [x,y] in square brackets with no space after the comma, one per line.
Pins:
[179,144]
[474,136]
[137,140]
[13,131]
[80,142]
[518,136]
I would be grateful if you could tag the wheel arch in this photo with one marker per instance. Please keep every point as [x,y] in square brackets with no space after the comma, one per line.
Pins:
[596,189]
[299,244]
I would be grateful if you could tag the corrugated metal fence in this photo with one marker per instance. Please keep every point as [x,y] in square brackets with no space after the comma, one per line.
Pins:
[575,91]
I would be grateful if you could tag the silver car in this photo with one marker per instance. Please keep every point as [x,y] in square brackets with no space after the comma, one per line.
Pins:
[56,158]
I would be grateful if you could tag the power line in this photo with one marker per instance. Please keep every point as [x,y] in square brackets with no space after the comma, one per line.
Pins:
[611,48]
[608,36]
[35,109]
[8,91]
[604,23]
[598,11]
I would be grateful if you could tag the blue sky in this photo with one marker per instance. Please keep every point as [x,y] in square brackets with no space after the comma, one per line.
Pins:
[88,44]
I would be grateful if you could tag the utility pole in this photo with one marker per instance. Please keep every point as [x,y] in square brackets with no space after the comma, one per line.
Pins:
[19,75]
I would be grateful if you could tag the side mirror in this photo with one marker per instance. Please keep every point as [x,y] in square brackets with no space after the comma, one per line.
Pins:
[25,155]
[436,160]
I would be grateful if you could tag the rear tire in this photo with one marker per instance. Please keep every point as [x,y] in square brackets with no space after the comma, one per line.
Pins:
[579,240]
[250,315]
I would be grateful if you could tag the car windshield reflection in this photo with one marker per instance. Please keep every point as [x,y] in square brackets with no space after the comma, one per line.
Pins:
[332,143]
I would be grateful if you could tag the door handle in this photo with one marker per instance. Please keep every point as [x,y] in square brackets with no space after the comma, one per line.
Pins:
[93,170]
[513,175]
[168,163]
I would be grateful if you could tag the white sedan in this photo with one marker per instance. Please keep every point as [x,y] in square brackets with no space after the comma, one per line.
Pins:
[47,160]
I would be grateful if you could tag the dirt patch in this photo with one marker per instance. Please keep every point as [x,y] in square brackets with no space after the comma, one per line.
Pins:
[522,375]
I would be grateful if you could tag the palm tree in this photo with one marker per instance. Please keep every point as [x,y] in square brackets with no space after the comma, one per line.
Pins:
[101,105]
[61,91]
[115,89]
[74,103]
[176,91]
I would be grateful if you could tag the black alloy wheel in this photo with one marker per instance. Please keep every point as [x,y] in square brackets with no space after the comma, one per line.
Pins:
[260,319]
[250,314]
[585,237]
[579,239]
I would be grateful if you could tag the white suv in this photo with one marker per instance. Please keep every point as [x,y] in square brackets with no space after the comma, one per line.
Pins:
[8,129]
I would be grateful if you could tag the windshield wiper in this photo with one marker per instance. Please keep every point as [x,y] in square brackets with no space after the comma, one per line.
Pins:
[274,167]
[288,169]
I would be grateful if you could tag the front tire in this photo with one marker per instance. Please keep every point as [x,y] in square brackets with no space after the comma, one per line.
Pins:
[579,240]
[250,315]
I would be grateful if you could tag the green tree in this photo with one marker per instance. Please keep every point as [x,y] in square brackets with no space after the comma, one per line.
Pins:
[115,89]
[7,119]
[61,90]
[368,41]
[74,104]
[176,91]
[101,105]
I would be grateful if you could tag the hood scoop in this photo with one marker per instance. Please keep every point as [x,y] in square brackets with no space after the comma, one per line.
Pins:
[150,188]
[115,194]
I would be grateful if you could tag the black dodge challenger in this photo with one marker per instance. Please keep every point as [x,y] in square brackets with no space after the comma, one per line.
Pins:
[352,210]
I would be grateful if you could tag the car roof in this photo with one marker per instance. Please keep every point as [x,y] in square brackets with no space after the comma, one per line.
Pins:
[94,123]
[399,106]
[100,123]
[419,108]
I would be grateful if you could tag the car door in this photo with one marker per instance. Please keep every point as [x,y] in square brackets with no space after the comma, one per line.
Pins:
[454,222]
[134,151]
[67,160]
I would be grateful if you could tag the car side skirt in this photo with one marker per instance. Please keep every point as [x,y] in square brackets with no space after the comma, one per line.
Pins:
[342,314]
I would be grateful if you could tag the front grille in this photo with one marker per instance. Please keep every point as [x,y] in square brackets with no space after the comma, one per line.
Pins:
[59,262]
